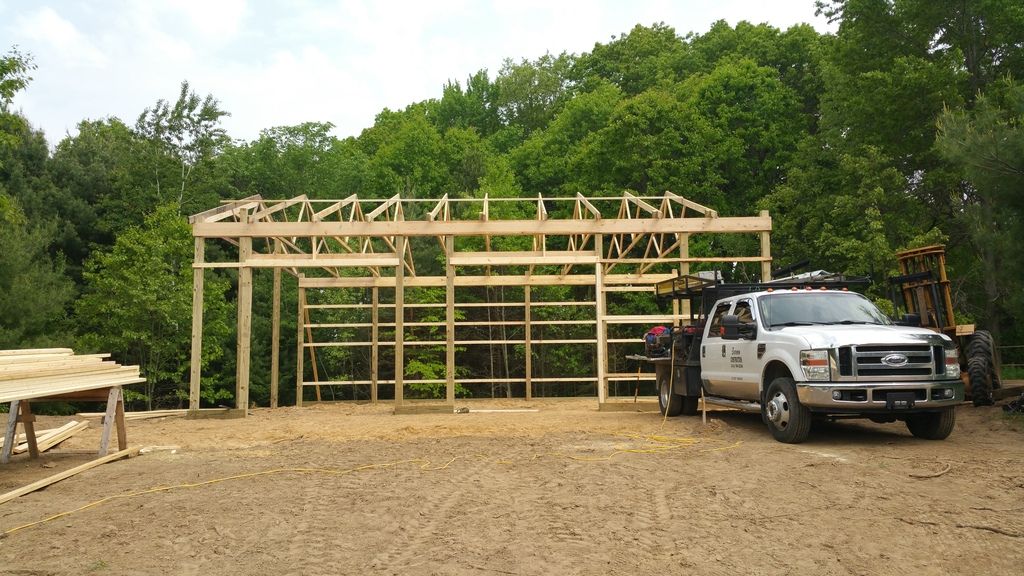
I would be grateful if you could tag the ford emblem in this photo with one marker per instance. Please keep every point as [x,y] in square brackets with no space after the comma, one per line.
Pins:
[895,360]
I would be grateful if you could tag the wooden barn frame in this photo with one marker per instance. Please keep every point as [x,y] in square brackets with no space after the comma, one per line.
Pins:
[370,244]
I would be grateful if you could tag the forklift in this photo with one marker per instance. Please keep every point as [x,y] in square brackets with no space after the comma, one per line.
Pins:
[922,291]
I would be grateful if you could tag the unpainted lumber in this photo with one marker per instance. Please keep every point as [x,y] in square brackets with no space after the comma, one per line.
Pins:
[39,485]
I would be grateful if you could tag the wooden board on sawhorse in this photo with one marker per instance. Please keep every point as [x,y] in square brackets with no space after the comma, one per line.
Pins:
[21,411]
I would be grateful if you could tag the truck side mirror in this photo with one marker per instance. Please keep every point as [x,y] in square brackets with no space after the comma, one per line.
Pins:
[730,327]
[910,320]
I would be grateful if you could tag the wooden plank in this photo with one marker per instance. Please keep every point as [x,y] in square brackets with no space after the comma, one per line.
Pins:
[244,343]
[128,452]
[28,422]
[148,414]
[108,419]
[275,339]
[196,362]
[331,260]
[122,431]
[504,280]
[300,352]
[55,437]
[766,251]
[225,210]
[83,369]
[537,258]
[399,326]
[748,224]
[375,345]
[424,408]
[73,386]
[602,327]
[528,343]
[277,206]
[449,247]
[37,352]
[12,425]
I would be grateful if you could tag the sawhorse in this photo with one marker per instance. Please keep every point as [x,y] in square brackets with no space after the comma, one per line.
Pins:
[21,411]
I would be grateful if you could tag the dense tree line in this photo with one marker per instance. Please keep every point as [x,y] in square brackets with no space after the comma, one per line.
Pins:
[903,128]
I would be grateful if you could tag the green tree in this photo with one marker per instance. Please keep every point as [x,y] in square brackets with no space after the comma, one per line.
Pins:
[14,75]
[987,143]
[756,124]
[637,61]
[188,132]
[652,142]
[543,160]
[529,94]
[137,304]
[33,288]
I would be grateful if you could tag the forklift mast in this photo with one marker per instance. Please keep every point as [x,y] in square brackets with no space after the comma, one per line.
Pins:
[922,288]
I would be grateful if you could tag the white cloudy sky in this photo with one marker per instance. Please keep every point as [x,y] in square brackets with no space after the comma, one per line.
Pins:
[283,63]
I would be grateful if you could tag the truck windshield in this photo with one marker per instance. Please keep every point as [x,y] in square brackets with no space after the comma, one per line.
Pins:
[810,308]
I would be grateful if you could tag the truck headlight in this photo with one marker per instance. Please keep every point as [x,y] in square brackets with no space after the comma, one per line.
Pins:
[952,363]
[815,364]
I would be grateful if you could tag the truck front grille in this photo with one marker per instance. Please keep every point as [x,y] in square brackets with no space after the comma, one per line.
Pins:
[884,361]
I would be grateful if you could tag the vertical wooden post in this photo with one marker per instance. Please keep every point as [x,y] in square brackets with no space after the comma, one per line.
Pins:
[602,326]
[684,269]
[374,345]
[275,339]
[528,337]
[400,322]
[244,324]
[195,372]
[11,432]
[299,352]
[449,319]
[766,251]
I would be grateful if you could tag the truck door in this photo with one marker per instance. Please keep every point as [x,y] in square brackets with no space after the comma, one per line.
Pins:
[713,353]
[743,363]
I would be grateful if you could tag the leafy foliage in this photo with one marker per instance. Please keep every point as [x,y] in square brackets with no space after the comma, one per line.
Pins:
[901,129]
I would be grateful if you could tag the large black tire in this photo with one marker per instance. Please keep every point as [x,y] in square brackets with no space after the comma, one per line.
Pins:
[669,403]
[981,368]
[690,405]
[932,425]
[788,419]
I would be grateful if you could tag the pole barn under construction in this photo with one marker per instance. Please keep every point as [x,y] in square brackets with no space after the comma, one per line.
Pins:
[386,248]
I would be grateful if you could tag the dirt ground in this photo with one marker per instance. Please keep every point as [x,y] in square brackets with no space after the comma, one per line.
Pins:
[568,489]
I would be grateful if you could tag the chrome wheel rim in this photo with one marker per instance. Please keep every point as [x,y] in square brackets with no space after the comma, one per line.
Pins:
[777,410]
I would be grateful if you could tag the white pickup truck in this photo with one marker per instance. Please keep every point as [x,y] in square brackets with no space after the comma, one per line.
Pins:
[797,352]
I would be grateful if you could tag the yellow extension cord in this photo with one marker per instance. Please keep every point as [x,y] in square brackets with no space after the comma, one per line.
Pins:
[667,443]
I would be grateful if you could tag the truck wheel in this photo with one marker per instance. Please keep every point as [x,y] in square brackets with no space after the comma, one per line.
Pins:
[932,425]
[787,418]
[670,404]
[981,368]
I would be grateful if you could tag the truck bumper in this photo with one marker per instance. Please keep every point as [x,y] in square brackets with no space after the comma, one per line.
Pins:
[880,396]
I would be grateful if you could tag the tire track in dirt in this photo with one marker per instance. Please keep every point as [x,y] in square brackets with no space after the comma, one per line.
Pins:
[648,521]
[432,509]
[311,548]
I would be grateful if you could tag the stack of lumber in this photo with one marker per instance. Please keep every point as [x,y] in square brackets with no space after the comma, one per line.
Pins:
[41,373]
[46,439]
[147,414]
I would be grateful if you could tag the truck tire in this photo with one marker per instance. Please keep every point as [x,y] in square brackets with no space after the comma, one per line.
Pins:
[690,407]
[788,419]
[932,425]
[981,368]
[669,403]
